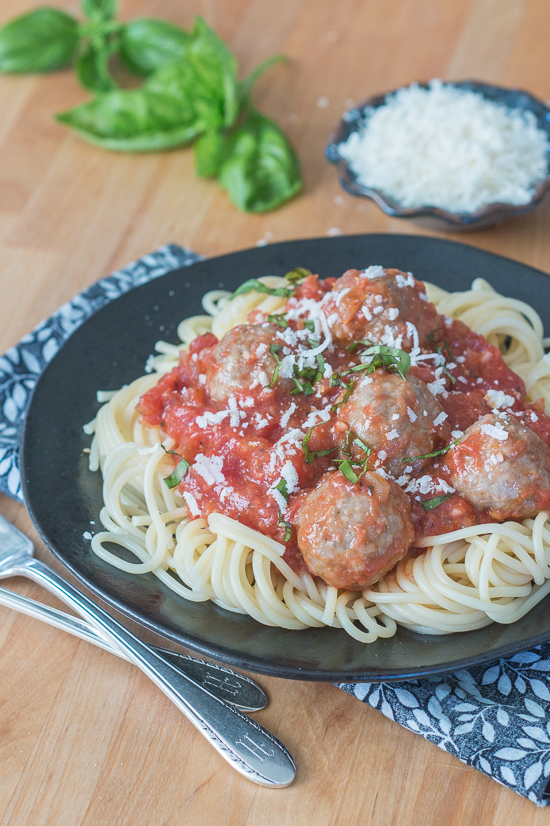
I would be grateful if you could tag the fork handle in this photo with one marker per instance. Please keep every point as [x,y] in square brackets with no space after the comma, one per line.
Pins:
[224,683]
[248,747]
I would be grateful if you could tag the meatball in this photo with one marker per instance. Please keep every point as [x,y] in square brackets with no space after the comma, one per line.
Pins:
[382,306]
[502,467]
[242,360]
[350,535]
[396,418]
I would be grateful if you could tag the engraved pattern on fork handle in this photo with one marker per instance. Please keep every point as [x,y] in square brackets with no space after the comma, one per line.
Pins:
[248,747]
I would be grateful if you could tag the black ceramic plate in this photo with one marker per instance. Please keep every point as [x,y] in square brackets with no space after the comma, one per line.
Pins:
[111,348]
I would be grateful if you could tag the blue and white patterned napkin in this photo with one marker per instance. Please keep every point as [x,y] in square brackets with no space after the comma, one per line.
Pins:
[495,717]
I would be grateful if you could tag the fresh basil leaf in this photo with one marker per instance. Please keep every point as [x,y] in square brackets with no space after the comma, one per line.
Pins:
[136,120]
[148,44]
[429,504]
[245,87]
[207,75]
[41,41]
[262,170]
[209,153]
[99,9]
[92,67]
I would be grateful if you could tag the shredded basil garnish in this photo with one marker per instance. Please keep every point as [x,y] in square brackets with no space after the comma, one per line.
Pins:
[432,455]
[274,349]
[347,471]
[179,471]
[347,466]
[304,378]
[294,277]
[287,526]
[429,504]
[279,320]
[309,325]
[283,490]
[297,275]
[311,455]
[336,381]
[445,346]
[253,285]
[382,356]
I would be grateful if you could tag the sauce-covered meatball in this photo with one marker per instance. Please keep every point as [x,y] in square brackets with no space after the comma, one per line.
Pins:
[242,359]
[502,467]
[352,534]
[382,306]
[398,418]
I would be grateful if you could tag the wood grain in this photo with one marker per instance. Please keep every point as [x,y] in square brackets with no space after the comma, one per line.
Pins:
[85,739]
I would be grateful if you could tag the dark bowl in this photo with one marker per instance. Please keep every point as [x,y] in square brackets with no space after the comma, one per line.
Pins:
[431,216]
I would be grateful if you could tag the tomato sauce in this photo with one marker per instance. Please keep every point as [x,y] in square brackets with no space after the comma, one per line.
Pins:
[259,431]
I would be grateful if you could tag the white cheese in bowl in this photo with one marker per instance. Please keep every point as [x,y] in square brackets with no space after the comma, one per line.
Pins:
[448,148]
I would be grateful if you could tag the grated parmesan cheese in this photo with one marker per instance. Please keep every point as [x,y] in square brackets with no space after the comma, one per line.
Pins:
[448,148]
[498,398]
[495,432]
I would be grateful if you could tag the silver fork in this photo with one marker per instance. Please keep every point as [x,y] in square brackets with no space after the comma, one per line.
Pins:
[248,747]
[223,682]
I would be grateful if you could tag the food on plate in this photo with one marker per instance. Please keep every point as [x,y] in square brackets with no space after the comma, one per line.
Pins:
[397,418]
[344,452]
[447,147]
[351,533]
[503,467]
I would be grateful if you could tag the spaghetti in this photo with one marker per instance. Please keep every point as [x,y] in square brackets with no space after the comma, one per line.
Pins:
[463,580]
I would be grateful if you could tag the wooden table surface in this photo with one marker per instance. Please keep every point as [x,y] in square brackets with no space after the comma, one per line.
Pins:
[84,737]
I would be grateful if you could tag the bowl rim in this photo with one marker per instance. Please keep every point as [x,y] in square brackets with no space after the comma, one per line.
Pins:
[488,213]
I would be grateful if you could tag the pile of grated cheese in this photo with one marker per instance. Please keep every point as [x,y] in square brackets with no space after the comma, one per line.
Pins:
[448,148]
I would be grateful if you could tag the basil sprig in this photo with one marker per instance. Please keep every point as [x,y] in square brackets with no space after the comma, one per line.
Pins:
[179,471]
[191,93]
